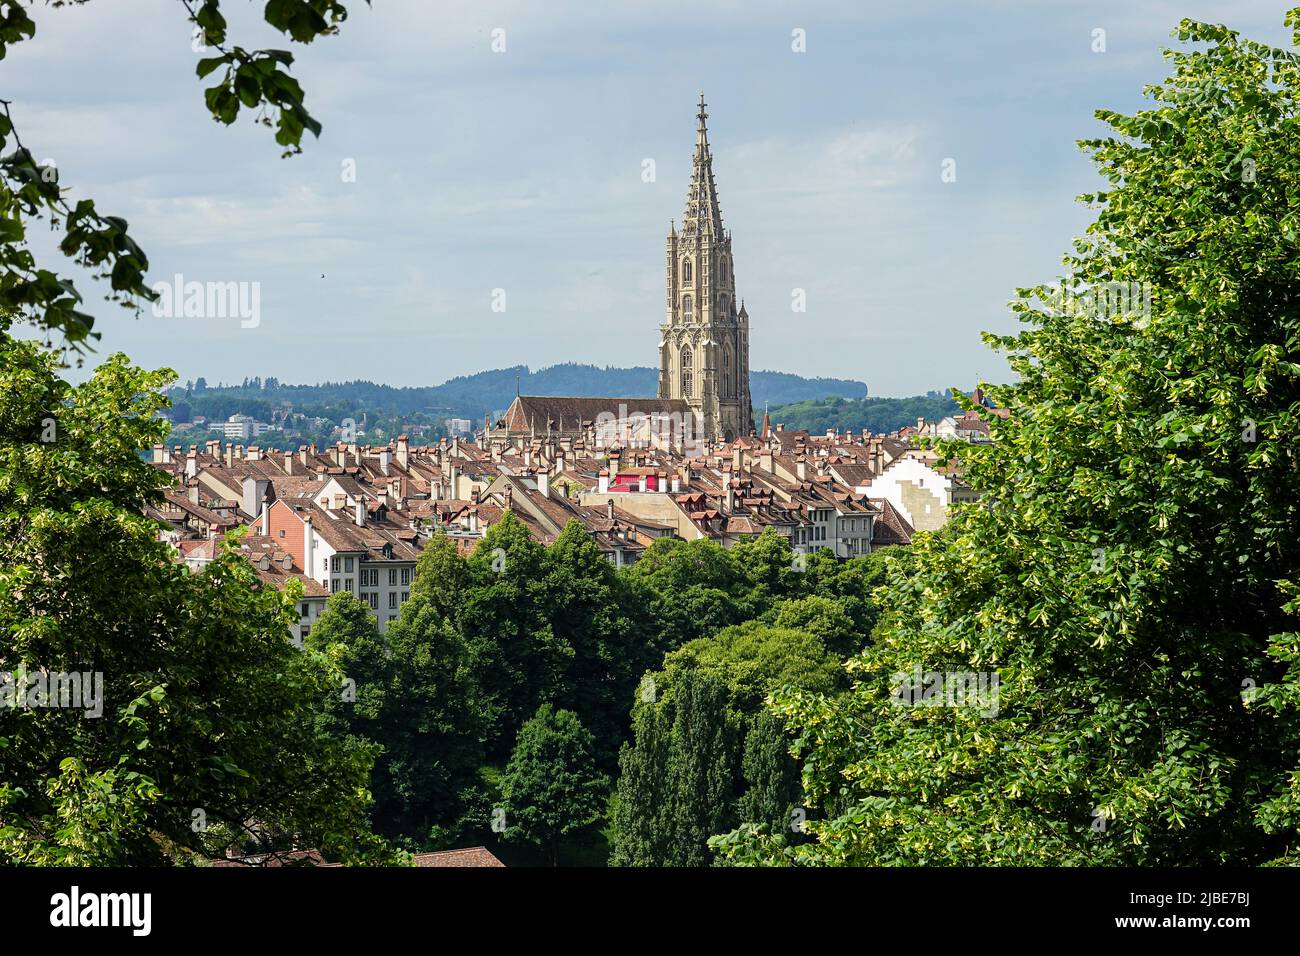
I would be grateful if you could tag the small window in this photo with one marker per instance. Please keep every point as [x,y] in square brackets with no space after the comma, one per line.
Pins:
[405,595]
[334,564]
[334,586]
[392,599]
[347,585]
[688,308]
[347,565]
[686,272]
[392,577]
[406,576]
[282,532]
[306,609]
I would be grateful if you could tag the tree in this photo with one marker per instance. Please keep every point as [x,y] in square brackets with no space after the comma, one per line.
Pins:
[518,659]
[689,589]
[551,786]
[1134,564]
[198,714]
[676,781]
[590,607]
[700,743]
[249,79]
[417,698]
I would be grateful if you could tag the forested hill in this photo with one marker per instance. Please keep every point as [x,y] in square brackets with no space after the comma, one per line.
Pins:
[470,396]
[877,414]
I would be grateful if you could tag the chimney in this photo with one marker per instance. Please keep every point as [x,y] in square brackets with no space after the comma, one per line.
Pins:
[644,482]
[288,463]
[158,457]
[731,495]
[603,481]
[765,458]
[359,513]
[383,460]
[920,422]
[738,459]
[403,450]
[801,468]
[508,497]
[609,509]
[230,456]
[544,483]
[191,464]
[352,450]
[559,462]
[780,426]
[192,491]
[677,483]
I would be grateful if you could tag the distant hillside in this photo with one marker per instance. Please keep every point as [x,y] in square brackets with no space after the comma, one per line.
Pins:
[471,396]
[876,414]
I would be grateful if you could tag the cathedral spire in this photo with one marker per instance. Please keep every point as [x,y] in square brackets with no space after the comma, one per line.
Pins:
[702,210]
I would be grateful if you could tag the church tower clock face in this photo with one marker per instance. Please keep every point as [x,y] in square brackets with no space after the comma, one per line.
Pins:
[704,346]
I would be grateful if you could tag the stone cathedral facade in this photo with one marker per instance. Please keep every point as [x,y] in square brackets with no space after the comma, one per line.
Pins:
[704,345]
[703,391]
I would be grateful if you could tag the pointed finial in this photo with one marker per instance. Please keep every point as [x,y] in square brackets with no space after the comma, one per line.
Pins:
[702,115]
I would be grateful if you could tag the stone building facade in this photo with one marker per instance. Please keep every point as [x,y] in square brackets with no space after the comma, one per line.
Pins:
[704,343]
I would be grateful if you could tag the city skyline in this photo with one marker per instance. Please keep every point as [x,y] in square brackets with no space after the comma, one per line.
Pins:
[516,161]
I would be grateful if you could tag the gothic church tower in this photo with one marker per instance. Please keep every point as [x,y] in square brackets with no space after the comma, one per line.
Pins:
[704,347]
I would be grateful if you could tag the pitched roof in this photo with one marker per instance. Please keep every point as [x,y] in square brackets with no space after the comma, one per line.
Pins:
[471,856]
[534,411]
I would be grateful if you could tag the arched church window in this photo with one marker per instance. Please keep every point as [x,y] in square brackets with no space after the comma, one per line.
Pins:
[688,372]
[686,272]
[728,374]
[722,306]
[722,269]
[686,308]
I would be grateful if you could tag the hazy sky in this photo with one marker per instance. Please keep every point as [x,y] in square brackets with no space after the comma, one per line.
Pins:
[522,170]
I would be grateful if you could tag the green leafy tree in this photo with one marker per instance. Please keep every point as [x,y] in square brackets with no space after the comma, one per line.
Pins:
[689,589]
[518,659]
[771,792]
[207,716]
[552,787]
[700,743]
[590,607]
[242,79]
[1132,575]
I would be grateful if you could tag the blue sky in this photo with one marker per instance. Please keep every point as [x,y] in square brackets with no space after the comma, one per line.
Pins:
[522,170]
